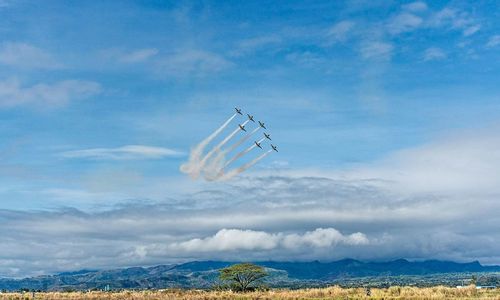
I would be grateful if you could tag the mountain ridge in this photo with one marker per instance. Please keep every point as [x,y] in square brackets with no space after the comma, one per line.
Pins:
[203,274]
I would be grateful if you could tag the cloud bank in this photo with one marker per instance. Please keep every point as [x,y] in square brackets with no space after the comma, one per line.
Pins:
[236,239]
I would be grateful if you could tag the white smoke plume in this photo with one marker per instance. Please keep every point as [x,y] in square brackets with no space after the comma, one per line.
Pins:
[193,167]
[212,164]
[221,144]
[243,168]
[243,139]
[221,155]
[215,168]
[239,155]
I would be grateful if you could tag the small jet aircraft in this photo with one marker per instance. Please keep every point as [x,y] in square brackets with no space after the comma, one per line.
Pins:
[238,110]
[258,145]
[261,124]
[268,136]
[250,118]
[274,148]
[242,127]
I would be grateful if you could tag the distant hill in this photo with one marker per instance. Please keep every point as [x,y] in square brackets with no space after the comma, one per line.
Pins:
[203,274]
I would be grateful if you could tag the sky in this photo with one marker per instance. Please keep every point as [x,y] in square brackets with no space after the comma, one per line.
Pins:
[385,114]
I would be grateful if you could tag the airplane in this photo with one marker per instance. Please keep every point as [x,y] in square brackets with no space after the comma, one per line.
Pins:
[238,110]
[268,136]
[274,148]
[250,118]
[261,124]
[258,145]
[242,127]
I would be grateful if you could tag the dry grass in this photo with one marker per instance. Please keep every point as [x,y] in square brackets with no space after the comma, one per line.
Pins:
[438,292]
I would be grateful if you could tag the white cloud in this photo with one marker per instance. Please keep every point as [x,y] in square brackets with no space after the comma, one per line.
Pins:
[45,95]
[376,50]
[471,30]
[236,239]
[434,53]
[455,19]
[339,32]
[403,22]
[417,6]
[192,63]
[129,152]
[230,240]
[464,163]
[140,55]
[26,56]
[323,237]
[493,41]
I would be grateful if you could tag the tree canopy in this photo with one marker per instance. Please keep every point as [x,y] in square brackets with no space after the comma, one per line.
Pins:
[243,275]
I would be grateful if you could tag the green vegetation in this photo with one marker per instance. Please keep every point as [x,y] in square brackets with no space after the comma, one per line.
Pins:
[242,276]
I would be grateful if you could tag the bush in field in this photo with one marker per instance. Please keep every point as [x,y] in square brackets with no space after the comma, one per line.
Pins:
[242,277]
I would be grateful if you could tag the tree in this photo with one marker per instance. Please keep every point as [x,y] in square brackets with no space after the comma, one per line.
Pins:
[473,280]
[243,275]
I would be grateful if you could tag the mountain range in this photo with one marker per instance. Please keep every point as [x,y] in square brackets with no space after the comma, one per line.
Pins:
[204,274]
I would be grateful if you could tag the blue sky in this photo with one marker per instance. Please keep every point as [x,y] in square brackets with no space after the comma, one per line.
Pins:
[100,103]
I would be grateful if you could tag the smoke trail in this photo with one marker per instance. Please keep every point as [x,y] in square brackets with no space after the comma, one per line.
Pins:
[239,155]
[242,140]
[222,143]
[193,167]
[215,166]
[213,170]
[243,168]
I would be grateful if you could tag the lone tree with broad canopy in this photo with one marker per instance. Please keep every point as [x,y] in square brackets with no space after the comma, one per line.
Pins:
[242,276]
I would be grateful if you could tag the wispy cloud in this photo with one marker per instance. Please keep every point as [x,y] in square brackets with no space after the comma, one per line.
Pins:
[130,152]
[376,50]
[24,55]
[43,95]
[434,53]
[493,41]
[340,31]
[197,63]
[417,6]
[307,59]
[140,55]
[454,19]
[404,22]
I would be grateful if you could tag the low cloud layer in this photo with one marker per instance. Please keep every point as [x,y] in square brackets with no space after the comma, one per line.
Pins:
[236,239]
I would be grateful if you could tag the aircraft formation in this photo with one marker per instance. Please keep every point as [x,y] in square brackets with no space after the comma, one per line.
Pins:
[214,165]
[261,124]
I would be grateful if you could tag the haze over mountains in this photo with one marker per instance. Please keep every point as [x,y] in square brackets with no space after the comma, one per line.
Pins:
[204,274]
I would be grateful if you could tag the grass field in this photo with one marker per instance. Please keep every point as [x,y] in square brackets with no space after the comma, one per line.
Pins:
[439,292]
